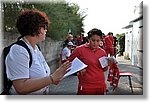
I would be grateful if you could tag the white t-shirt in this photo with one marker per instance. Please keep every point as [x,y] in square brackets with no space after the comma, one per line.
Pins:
[66,53]
[17,65]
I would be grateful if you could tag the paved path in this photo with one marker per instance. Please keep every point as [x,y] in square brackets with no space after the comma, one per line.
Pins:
[68,86]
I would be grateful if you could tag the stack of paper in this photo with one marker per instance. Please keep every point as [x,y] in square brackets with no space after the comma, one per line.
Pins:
[76,66]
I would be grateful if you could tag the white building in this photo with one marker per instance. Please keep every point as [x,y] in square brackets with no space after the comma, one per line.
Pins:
[134,37]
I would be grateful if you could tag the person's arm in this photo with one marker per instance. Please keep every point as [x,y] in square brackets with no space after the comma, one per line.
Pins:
[26,85]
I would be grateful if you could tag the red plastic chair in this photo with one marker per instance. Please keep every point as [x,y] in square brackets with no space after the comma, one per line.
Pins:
[127,74]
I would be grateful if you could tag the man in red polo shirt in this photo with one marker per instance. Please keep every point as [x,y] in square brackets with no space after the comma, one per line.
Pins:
[109,41]
[91,79]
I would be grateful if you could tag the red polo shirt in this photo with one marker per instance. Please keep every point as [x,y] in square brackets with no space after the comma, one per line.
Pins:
[109,40]
[94,75]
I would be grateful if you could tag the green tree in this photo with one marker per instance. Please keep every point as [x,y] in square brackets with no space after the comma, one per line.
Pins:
[121,40]
[63,16]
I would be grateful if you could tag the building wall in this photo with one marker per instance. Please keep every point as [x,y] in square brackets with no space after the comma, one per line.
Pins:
[136,37]
[134,57]
[140,44]
[137,44]
[128,43]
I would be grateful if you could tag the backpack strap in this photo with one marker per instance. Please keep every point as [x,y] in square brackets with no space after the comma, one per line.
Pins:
[38,47]
[7,82]
[23,44]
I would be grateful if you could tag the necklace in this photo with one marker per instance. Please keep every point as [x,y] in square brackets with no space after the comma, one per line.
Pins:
[26,40]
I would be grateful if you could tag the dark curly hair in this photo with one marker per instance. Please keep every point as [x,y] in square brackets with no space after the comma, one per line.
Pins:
[95,31]
[29,22]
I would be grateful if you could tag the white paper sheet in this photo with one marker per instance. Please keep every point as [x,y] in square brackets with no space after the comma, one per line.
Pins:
[103,61]
[77,65]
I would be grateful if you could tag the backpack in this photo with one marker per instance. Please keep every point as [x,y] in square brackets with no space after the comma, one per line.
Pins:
[6,82]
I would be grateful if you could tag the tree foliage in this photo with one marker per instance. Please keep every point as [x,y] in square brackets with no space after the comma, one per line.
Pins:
[121,40]
[63,16]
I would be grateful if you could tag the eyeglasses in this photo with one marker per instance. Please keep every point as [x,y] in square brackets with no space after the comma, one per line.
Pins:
[45,27]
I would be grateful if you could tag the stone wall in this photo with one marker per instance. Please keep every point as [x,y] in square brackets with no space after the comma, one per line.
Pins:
[50,49]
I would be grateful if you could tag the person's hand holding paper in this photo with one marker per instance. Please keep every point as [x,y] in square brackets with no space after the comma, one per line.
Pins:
[77,65]
[105,61]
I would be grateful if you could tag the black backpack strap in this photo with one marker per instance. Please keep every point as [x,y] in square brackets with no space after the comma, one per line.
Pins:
[23,44]
[8,83]
[38,47]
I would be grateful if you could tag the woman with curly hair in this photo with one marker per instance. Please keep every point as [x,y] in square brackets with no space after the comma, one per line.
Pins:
[32,26]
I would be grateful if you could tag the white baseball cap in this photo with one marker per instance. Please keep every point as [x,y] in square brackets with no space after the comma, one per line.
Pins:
[70,43]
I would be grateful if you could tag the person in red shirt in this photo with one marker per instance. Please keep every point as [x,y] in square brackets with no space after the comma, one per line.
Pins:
[91,79]
[109,41]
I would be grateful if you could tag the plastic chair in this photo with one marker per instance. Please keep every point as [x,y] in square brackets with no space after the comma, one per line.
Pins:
[127,74]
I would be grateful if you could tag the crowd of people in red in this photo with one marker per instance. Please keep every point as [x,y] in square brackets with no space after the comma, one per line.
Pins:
[108,42]
[89,49]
